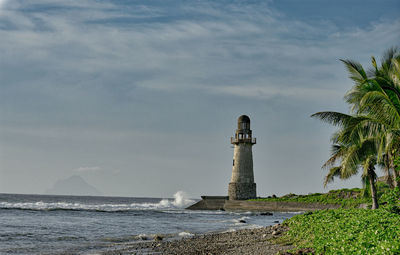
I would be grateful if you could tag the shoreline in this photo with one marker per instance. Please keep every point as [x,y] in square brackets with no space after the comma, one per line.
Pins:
[243,241]
[218,203]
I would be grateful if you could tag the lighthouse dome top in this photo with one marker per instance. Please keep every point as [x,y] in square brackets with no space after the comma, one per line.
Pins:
[244,119]
[243,122]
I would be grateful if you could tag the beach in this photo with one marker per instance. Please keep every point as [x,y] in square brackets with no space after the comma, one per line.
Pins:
[244,241]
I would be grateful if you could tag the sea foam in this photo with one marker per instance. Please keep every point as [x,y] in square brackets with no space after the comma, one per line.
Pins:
[185,234]
[180,201]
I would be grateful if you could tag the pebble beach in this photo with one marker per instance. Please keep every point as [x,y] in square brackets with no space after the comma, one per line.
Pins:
[245,241]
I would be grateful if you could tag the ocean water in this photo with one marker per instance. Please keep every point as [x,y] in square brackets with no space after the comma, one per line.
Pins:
[43,224]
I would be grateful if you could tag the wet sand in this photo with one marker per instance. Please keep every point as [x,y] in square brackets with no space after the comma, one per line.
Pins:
[245,241]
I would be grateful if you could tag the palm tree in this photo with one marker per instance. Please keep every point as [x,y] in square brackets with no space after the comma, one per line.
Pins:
[352,157]
[370,134]
[376,94]
[375,101]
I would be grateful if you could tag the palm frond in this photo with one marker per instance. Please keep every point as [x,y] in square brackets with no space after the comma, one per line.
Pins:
[337,153]
[333,172]
[381,108]
[355,70]
[334,118]
[350,163]
[394,73]
[388,55]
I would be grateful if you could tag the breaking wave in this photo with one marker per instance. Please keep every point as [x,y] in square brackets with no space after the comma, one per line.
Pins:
[185,234]
[180,201]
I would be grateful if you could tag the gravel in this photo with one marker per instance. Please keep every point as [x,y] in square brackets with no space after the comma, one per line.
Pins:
[245,241]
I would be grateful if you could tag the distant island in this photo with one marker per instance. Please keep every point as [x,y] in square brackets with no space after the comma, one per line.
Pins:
[74,185]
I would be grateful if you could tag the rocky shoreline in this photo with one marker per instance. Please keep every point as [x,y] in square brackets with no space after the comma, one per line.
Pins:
[244,241]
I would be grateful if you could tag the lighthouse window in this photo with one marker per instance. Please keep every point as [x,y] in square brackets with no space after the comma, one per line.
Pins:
[240,136]
[233,161]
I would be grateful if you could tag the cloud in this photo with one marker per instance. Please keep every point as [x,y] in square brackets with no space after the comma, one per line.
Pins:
[88,169]
[264,92]
[2,5]
[94,46]
[2,2]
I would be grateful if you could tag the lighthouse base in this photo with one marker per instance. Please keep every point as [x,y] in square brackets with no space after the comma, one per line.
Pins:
[241,191]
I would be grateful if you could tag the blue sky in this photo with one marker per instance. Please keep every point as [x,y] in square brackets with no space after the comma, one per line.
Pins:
[140,97]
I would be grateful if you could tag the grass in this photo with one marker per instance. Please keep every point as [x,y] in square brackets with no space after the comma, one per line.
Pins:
[344,197]
[349,231]
[347,198]
[345,231]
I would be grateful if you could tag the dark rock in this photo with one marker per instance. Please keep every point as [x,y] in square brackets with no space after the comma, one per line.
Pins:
[221,209]
[276,232]
[305,251]
[277,221]
[158,238]
[289,195]
[242,221]
[276,226]
[274,196]
[300,252]
[267,213]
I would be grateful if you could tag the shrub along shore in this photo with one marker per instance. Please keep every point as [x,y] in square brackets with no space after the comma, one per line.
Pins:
[344,197]
[345,231]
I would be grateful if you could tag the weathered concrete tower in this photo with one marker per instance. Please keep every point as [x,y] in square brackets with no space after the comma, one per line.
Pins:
[242,184]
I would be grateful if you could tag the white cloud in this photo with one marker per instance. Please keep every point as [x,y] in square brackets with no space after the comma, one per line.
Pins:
[2,5]
[222,55]
[2,2]
[268,92]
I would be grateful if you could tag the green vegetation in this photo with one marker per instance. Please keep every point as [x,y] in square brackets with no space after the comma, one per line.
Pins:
[345,197]
[349,231]
[370,134]
[345,231]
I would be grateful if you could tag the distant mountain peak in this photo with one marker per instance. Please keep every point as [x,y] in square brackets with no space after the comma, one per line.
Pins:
[73,185]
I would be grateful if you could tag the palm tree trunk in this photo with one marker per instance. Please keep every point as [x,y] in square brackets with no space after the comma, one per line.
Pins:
[395,174]
[373,189]
[388,173]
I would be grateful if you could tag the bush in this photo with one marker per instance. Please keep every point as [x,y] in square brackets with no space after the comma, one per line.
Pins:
[390,200]
[345,197]
[346,231]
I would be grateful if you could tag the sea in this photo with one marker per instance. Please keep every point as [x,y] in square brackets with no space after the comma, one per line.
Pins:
[47,224]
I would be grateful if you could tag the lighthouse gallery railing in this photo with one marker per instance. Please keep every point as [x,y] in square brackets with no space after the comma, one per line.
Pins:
[235,140]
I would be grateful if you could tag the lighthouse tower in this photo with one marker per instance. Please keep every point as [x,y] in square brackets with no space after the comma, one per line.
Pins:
[242,184]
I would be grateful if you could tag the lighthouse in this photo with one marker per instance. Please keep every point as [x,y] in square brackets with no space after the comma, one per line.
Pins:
[242,184]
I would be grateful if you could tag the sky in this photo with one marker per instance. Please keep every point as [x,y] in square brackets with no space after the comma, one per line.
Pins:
[140,98]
